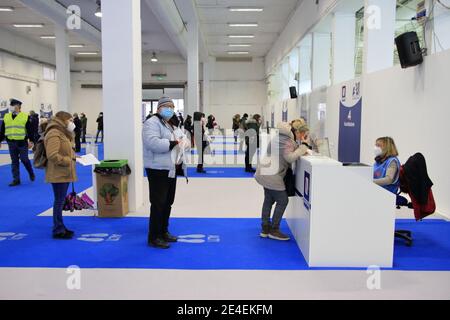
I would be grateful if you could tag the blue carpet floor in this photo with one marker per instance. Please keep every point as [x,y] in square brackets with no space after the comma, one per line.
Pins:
[217,173]
[223,244]
[25,238]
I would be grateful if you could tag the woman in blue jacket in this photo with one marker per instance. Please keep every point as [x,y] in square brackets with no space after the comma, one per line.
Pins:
[386,169]
[159,141]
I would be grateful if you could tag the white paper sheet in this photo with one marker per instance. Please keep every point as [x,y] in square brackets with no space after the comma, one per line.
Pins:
[88,160]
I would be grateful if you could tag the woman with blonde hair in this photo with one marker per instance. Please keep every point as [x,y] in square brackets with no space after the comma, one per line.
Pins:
[387,165]
[272,179]
[60,171]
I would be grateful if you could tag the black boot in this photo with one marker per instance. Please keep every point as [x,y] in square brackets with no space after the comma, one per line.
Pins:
[159,243]
[14,183]
[169,238]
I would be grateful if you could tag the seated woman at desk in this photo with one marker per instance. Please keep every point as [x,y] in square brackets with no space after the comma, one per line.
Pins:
[386,169]
[270,174]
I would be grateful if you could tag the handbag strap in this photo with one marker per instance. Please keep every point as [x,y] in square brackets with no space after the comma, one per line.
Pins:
[73,187]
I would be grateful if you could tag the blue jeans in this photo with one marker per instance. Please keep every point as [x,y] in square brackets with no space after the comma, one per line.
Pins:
[18,150]
[60,192]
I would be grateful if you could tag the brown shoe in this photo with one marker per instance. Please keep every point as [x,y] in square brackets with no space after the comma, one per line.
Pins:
[276,234]
[265,231]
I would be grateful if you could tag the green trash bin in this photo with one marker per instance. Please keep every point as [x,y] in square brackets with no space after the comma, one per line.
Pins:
[112,188]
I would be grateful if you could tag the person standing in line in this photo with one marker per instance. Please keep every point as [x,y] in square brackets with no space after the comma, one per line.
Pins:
[34,125]
[84,121]
[211,124]
[78,130]
[252,141]
[242,129]
[236,122]
[189,129]
[292,144]
[17,131]
[199,139]
[180,120]
[159,140]
[60,170]
[99,126]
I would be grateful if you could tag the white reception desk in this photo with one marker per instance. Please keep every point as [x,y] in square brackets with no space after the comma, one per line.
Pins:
[343,218]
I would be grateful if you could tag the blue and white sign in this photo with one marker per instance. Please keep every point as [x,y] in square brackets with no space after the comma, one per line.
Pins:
[272,117]
[350,110]
[284,115]
[307,191]
[46,111]
[3,109]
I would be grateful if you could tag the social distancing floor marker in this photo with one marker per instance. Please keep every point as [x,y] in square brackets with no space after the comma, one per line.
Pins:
[198,238]
[99,237]
[12,236]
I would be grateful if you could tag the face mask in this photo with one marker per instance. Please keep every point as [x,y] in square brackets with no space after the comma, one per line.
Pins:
[167,113]
[71,126]
[12,109]
[377,151]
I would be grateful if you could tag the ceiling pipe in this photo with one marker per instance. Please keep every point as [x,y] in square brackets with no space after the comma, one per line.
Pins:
[169,18]
[57,13]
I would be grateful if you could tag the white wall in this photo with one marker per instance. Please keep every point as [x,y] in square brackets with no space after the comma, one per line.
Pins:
[412,106]
[17,74]
[236,87]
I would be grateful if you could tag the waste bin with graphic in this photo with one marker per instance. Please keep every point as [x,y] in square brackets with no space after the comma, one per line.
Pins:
[112,188]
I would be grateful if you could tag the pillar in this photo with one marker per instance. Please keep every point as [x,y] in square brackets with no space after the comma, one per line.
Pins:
[62,68]
[321,56]
[122,90]
[193,68]
[343,42]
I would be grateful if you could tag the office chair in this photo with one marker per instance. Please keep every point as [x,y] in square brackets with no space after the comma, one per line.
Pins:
[404,234]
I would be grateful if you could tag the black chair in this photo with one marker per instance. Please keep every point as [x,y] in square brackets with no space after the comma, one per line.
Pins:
[404,234]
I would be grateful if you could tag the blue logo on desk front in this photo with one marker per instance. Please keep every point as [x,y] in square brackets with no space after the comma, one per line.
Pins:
[306,191]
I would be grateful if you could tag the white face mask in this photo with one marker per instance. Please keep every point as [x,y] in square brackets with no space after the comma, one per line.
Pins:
[12,109]
[377,151]
[71,126]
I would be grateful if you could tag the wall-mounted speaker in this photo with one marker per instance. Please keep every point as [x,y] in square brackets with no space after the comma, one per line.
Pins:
[293,91]
[409,50]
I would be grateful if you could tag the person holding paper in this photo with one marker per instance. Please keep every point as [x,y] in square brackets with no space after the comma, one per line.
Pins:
[60,170]
[159,140]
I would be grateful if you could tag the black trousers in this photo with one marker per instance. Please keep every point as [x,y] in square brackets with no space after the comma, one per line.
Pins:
[78,142]
[250,151]
[18,150]
[162,195]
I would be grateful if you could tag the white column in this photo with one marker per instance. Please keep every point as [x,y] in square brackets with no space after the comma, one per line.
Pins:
[193,68]
[122,90]
[343,41]
[441,24]
[379,34]
[305,63]
[206,86]
[321,56]
[62,68]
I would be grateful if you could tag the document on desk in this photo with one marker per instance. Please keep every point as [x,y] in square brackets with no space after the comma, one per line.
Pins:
[88,160]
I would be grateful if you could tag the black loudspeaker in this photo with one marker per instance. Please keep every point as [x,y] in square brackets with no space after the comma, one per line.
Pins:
[293,91]
[409,50]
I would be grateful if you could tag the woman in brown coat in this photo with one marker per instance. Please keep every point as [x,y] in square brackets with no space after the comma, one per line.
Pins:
[60,170]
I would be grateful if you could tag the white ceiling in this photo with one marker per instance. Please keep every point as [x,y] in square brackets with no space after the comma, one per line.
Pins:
[214,18]
[22,14]
[154,37]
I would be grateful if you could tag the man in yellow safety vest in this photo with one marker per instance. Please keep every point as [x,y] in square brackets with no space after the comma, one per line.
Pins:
[17,131]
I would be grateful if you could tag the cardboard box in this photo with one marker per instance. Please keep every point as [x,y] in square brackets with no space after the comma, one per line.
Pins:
[112,195]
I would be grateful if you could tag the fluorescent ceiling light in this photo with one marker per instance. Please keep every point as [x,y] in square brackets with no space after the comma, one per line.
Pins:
[243,9]
[243,45]
[47,37]
[28,25]
[98,12]
[87,53]
[76,46]
[241,36]
[154,58]
[238,52]
[242,24]
[6,9]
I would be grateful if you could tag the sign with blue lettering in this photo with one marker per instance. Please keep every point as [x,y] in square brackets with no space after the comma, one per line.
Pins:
[46,111]
[350,125]
[307,191]
[285,112]
[272,117]
[3,110]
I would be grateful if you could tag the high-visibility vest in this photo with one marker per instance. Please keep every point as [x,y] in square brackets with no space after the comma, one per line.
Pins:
[15,129]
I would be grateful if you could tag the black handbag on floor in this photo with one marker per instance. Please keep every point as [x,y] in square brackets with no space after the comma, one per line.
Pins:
[289,182]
